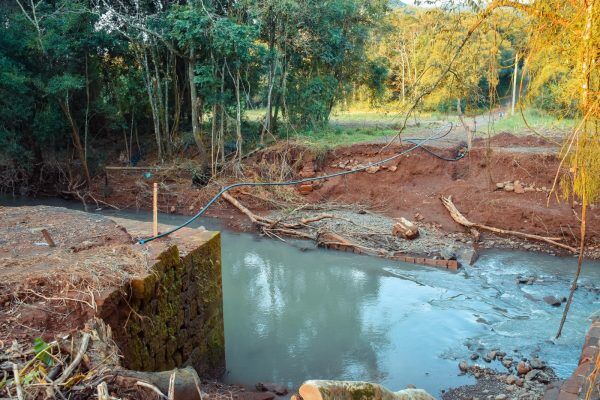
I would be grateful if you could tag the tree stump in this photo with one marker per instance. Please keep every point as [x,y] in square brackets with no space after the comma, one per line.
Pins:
[406,229]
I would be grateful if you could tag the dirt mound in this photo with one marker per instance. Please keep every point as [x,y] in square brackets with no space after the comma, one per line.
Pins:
[506,139]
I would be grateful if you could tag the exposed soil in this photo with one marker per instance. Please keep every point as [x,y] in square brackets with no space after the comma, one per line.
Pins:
[49,291]
[413,187]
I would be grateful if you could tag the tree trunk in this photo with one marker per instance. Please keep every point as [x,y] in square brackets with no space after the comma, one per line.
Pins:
[466,127]
[76,140]
[514,92]
[194,104]
[238,117]
[153,107]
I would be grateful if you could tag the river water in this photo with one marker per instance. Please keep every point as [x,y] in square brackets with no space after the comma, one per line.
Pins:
[294,312]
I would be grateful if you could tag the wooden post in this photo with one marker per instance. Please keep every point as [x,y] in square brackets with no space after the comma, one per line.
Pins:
[514,93]
[155,210]
[48,238]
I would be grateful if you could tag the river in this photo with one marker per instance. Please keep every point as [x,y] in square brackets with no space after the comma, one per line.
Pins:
[295,312]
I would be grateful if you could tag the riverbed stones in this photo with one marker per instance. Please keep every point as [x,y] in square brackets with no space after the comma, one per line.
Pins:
[519,187]
[279,390]
[536,363]
[474,356]
[523,368]
[511,380]
[501,397]
[463,366]
[553,301]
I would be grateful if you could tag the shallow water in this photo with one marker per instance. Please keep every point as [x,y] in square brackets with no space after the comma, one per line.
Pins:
[294,312]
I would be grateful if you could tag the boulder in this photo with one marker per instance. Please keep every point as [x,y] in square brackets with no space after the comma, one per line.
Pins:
[463,366]
[511,380]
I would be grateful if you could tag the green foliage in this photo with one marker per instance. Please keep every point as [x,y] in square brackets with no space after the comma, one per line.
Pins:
[42,351]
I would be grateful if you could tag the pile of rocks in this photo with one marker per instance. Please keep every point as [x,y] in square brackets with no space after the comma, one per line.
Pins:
[355,164]
[526,379]
[520,187]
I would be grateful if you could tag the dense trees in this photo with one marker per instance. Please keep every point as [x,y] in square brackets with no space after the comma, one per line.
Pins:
[159,77]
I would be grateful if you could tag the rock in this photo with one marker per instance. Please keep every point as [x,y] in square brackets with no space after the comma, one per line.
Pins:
[529,189]
[463,366]
[536,363]
[519,187]
[511,380]
[279,390]
[509,187]
[507,363]
[500,355]
[501,397]
[500,185]
[523,368]
[519,382]
[491,356]
[406,229]
[392,168]
[372,170]
[411,386]
[448,253]
[475,233]
[305,188]
[172,209]
[474,356]
[532,375]
[469,255]
[419,217]
[553,301]
[256,396]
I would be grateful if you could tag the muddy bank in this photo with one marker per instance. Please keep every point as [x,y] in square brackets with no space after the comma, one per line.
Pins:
[68,275]
[504,189]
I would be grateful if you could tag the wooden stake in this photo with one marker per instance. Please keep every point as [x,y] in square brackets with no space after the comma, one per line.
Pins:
[155,210]
[48,238]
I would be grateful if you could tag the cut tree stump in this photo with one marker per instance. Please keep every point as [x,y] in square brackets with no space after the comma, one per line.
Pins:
[351,390]
[406,229]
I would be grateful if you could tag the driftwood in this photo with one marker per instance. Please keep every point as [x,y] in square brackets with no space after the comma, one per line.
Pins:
[85,340]
[406,229]
[350,390]
[182,383]
[459,218]
[266,224]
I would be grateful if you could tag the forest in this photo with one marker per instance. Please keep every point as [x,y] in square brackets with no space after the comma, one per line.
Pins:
[322,199]
[161,80]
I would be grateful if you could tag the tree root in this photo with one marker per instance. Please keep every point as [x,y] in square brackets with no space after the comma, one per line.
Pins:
[462,220]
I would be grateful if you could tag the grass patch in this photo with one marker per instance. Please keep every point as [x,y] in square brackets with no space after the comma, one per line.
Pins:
[536,119]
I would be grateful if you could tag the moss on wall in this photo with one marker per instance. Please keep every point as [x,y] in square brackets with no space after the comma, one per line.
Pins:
[173,317]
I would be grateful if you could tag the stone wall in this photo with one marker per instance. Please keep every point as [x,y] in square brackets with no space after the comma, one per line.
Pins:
[576,387]
[173,316]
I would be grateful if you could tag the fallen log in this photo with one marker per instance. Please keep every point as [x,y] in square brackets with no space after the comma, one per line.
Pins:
[350,390]
[183,383]
[462,220]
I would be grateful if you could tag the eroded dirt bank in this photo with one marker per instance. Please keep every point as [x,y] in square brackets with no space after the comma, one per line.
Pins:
[492,185]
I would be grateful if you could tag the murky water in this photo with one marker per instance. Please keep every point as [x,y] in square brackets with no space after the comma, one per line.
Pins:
[294,312]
